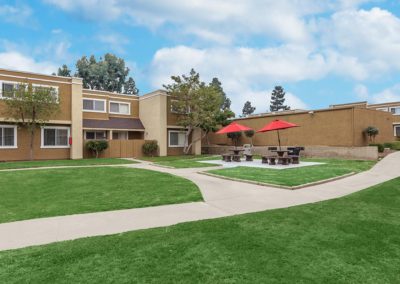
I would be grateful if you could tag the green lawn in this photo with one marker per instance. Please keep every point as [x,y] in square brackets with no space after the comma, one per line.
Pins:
[355,239]
[297,176]
[55,163]
[180,162]
[43,193]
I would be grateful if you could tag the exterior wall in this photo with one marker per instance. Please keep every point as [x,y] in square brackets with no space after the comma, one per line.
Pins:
[108,96]
[175,151]
[172,118]
[76,118]
[153,114]
[22,152]
[341,127]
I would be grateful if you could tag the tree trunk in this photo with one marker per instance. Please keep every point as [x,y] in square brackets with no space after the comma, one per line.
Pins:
[31,143]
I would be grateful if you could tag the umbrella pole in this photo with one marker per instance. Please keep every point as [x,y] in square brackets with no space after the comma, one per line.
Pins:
[279,141]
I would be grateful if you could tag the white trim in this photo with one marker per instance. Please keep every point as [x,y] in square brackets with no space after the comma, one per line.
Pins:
[99,111]
[107,92]
[1,88]
[15,136]
[394,107]
[54,147]
[169,139]
[119,102]
[127,97]
[394,130]
[382,109]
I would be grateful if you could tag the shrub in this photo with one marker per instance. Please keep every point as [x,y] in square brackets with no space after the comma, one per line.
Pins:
[381,148]
[235,137]
[371,132]
[250,134]
[97,146]
[150,148]
[392,145]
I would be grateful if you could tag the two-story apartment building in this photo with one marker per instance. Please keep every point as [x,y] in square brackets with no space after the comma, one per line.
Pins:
[125,121]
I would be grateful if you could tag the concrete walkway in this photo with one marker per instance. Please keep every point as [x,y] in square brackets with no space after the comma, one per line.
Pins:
[222,198]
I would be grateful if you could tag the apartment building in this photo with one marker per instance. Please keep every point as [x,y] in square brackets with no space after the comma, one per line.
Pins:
[125,121]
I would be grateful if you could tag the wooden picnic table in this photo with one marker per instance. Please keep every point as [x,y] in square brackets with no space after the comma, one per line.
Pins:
[236,151]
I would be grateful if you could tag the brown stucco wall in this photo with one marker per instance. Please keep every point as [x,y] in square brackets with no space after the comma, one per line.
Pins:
[22,152]
[63,84]
[330,127]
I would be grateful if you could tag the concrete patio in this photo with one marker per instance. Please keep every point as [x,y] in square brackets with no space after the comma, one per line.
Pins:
[256,163]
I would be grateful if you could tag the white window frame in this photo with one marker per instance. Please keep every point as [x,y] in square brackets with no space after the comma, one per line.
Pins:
[394,130]
[118,102]
[56,88]
[101,100]
[172,107]
[15,137]
[1,88]
[395,107]
[169,139]
[54,127]
[96,131]
[383,109]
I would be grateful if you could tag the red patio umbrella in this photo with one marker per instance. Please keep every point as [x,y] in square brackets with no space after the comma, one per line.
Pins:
[277,125]
[233,127]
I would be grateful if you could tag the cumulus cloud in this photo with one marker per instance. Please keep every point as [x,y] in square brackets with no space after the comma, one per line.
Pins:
[114,41]
[247,74]
[17,61]
[390,94]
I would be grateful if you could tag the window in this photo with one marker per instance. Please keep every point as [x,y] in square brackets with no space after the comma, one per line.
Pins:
[397,130]
[7,89]
[92,105]
[120,108]
[44,88]
[382,109]
[96,135]
[120,135]
[8,136]
[174,109]
[176,138]
[395,110]
[55,137]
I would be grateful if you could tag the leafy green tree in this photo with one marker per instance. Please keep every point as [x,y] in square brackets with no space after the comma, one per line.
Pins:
[226,102]
[64,71]
[108,74]
[247,109]
[278,100]
[130,87]
[196,104]
[31,107]
[97,146]
[235,136]
[250,134]
[371,132]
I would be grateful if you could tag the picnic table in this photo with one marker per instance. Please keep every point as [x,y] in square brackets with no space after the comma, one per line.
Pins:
[280,152]
[236,151]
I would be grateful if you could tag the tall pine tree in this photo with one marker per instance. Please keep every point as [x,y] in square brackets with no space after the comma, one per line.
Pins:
[247,109]
[278,100]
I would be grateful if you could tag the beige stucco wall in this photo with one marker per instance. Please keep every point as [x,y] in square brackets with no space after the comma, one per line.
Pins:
[153,114]
[76,119]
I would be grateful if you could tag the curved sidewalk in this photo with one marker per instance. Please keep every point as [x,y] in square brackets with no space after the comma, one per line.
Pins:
[222,198]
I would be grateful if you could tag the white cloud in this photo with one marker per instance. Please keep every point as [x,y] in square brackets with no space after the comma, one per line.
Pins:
[19,14]
[361,91]
[391,94]
[17,61]
[246,74]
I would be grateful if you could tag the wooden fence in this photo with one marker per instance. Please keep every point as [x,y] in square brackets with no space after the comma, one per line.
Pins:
[119,149]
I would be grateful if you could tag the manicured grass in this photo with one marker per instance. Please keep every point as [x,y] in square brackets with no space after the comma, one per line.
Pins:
[55,163]
[180,162]
[43,193]
[355,239]
[297,176]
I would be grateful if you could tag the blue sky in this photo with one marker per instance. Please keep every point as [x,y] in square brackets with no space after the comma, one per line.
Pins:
[321,52]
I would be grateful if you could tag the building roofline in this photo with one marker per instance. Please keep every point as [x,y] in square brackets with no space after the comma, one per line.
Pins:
[349,104]
[40,74]
[91,91]
[383,104]
[158,92]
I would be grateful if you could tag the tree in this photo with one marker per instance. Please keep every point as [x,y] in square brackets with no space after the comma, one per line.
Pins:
[108,74]
[226,102]
[278,99]
[97,146]
[130,87]
[64,71]
[247,109]
[250,134]
[371,132]
[196,104]
[31,107]
[235,136]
